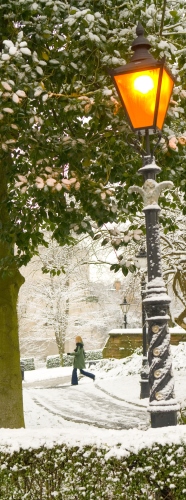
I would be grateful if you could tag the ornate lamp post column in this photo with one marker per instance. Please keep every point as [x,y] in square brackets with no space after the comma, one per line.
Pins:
[141,260]
[145,86]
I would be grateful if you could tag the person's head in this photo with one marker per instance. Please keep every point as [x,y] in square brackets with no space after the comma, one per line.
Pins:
[79,340]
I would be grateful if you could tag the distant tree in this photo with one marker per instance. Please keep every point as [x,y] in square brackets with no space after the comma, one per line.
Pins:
[68,303]
[174,265]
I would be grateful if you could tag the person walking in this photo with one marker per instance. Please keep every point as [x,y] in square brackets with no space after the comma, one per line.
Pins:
[79,362]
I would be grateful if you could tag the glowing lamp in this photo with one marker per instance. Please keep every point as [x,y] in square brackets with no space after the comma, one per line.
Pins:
[144,86]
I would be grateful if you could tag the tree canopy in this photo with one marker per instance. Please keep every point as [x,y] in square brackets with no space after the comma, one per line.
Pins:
[66,145]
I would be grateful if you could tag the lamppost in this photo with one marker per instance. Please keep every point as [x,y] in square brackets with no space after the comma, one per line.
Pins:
[125,307]
[141,260]
[144,86]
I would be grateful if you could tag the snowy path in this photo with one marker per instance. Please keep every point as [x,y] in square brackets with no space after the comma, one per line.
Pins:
[57,405]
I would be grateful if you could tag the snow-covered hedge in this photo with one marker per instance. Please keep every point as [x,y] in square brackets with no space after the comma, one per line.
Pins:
[86,472]
[54,361]
[94,355]
[28,363]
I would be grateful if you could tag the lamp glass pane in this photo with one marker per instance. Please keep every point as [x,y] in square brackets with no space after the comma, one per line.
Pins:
[165,94]
[138,92]
[141,262]
[125,307]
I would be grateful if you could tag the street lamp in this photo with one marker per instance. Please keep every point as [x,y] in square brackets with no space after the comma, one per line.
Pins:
[125,307]
[145,86]
[141,261]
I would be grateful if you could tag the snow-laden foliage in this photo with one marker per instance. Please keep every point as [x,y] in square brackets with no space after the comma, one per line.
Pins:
[28,363]
[174,264]
[55,361]
[65,139]
[83,471]
[66,157]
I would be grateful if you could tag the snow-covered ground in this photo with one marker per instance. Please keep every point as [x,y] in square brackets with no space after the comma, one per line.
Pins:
[105,413]
[111,376]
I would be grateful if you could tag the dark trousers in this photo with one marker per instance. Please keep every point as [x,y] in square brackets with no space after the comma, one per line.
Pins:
[74,380]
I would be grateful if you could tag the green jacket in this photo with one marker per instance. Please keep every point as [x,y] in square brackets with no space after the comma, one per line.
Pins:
[79,357]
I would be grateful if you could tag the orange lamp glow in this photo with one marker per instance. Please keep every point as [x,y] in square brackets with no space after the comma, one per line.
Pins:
[145,96]
[144,86]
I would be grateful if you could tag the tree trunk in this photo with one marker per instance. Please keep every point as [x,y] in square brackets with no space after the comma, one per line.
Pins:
[11,407]
[11,403]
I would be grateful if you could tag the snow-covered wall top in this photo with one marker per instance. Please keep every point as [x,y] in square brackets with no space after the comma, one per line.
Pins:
[133,331]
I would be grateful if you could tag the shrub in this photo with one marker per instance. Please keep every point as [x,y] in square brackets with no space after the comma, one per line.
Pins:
[89,473]
[27,363]
[55,361]
[94,355]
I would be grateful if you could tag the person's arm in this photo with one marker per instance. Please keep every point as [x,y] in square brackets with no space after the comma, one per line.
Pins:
[75,353]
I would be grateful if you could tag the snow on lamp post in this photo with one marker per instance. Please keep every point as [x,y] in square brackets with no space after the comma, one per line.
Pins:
[125,307]
[144,86]
[141,262]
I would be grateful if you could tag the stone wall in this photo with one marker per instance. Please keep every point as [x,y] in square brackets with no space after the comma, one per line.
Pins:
[122,342]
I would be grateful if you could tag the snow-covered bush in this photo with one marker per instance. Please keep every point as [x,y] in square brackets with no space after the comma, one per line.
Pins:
[28,363]
[93,355]
[83,472]
[55,361]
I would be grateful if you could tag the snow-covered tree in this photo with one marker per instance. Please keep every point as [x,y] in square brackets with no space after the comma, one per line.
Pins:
[174,266]
[57,169]
[65,304]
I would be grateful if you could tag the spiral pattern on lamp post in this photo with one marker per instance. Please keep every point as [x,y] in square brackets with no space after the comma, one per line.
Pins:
[160,364]
[162,404]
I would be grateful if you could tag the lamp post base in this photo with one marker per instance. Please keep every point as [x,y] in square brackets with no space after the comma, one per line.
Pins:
[163,419]
[144,382]
[164,414]
[144,393]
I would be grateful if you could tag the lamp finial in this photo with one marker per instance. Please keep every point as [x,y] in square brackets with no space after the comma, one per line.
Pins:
[141,46]
[139,29]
